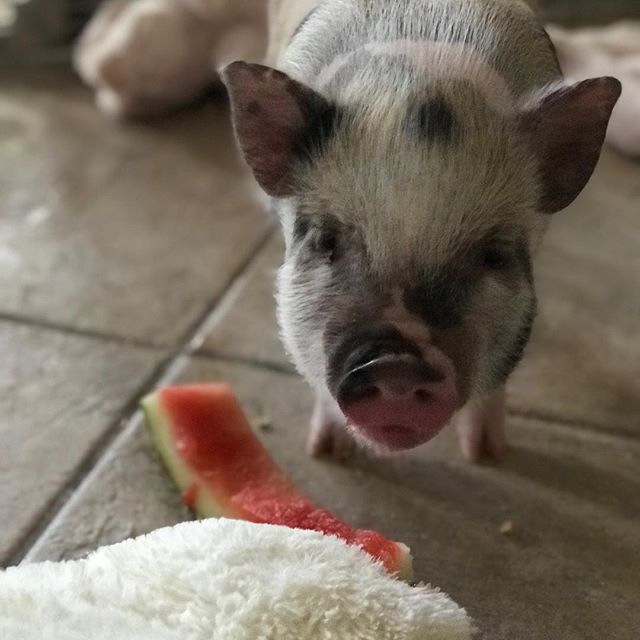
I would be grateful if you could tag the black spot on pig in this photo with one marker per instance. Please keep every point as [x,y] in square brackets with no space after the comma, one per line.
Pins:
[322,122]
[435,122]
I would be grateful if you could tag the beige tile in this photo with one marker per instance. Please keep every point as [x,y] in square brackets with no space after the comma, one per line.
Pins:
[245,325]
[568,570]
[584,361]
[130,229]
[59,396]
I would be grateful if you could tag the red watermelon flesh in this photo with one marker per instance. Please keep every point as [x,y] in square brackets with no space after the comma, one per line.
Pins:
[223,470]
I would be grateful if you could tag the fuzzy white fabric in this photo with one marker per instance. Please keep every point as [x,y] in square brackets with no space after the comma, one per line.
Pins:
[223,580]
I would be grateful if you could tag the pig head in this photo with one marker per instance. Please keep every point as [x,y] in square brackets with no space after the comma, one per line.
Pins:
[411,212]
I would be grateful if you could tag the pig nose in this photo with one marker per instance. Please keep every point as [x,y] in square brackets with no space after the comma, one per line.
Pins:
[398,400]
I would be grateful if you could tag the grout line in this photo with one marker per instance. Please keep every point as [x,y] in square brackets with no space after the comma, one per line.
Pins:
[91,460]
[73,331]
[103,444]
[216,314]
[193,333]
[163,373]
[95,465]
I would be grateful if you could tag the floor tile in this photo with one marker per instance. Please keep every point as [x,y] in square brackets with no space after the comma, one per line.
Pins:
[583,364]
[130,230]
[245,326]
[59,395]
[568,568]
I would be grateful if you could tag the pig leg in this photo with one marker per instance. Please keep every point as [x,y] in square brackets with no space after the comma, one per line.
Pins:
[328,434]
[480,426]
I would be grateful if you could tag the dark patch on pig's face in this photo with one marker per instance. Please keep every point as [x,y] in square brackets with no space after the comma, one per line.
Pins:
[439,298]
[524,259]
[512,349]
[320,240]
[483,296]
[435,122]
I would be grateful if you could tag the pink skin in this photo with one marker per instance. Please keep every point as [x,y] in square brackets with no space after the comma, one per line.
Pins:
[405,412]
[480,425]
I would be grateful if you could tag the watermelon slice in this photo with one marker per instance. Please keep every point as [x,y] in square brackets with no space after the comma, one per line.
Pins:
[222,469]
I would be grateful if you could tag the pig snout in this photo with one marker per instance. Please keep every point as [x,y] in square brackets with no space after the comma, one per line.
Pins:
[399,398]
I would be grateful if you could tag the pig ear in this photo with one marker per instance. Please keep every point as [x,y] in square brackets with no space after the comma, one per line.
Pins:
[566,130]
[276,119]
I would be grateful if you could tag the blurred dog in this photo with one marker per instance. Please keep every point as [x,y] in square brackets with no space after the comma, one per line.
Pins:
[146,57]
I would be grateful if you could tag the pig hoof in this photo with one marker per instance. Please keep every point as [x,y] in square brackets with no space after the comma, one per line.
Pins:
[481,443]
[481,430]
[332,441]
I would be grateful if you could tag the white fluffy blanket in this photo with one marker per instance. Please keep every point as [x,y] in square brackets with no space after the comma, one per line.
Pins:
[223,580]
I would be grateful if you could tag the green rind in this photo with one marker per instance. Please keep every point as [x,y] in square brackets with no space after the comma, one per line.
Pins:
[159,427]
[405,562]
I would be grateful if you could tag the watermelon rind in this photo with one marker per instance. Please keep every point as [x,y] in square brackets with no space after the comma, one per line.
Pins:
[204,504]
[159,427]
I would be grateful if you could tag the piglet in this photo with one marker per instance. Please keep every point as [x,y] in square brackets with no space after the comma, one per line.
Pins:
[415,151]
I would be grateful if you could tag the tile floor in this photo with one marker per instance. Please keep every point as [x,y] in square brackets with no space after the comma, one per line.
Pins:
[135,255]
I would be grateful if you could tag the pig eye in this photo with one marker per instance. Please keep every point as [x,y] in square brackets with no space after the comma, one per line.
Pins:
[497,257]
[326,243]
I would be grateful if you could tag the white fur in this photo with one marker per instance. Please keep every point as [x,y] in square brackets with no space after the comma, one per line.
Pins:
[223,580]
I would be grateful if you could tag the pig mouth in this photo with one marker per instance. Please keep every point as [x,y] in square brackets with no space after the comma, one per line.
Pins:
[395,437]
